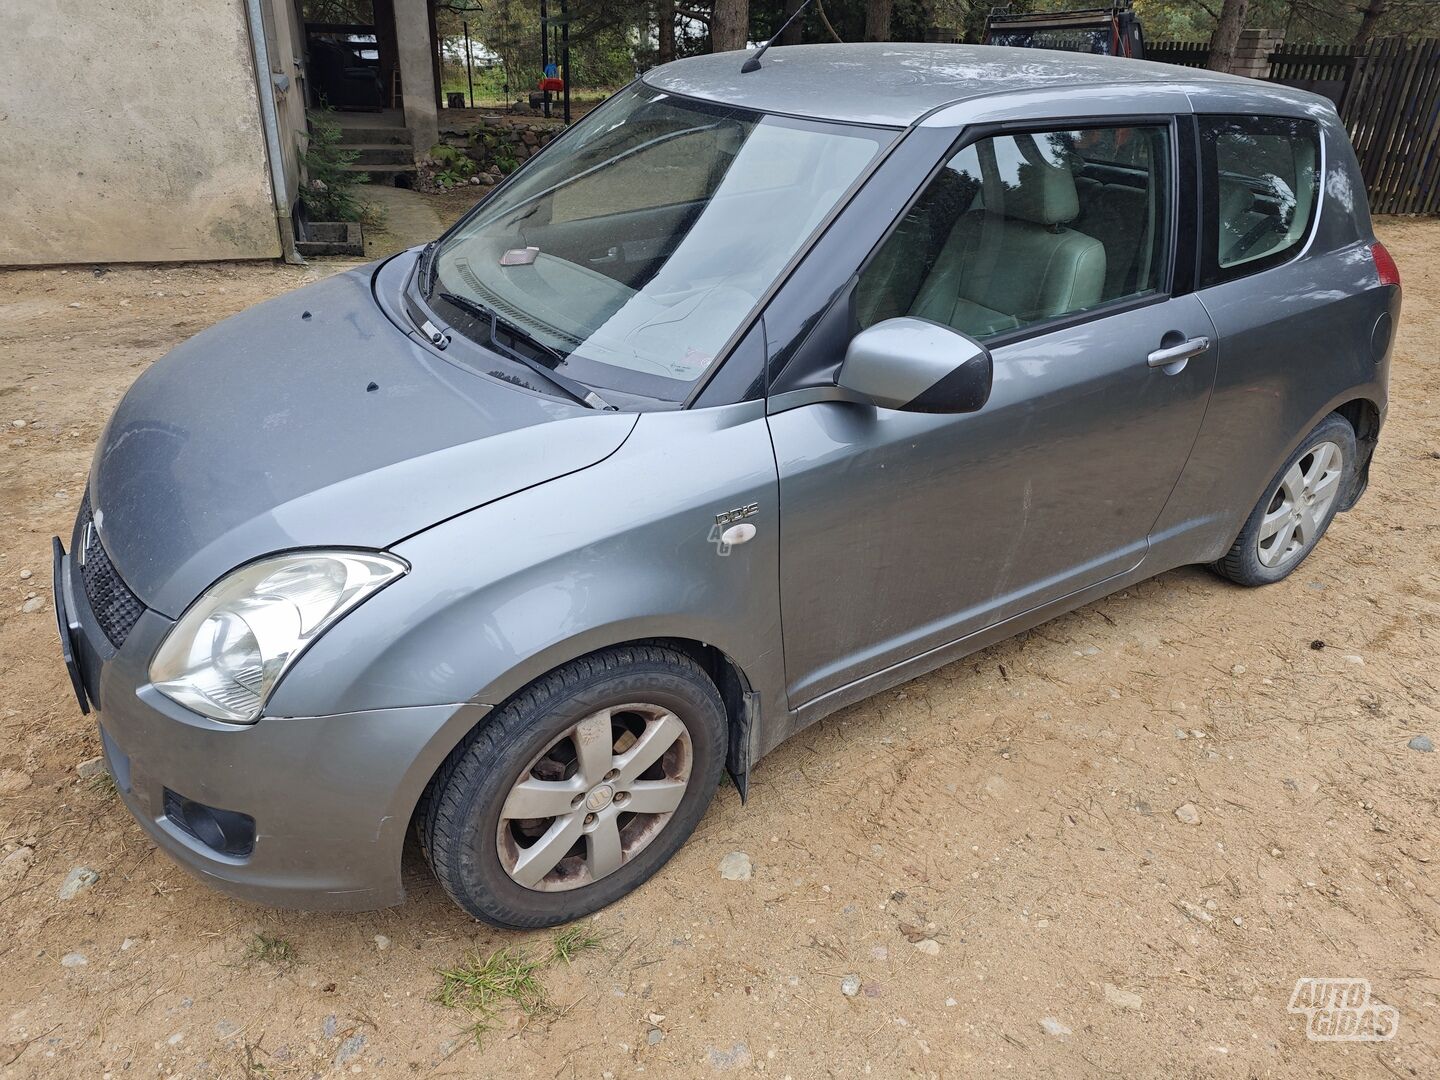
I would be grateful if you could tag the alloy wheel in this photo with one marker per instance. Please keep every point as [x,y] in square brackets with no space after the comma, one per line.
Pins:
[595,797]
[1298,507]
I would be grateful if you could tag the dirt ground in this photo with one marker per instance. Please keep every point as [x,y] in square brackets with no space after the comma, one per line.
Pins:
[1013,813]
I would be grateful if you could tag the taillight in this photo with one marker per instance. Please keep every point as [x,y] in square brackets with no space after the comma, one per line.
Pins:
[1384,265]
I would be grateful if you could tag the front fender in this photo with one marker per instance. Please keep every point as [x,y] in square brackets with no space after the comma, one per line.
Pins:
[622,550]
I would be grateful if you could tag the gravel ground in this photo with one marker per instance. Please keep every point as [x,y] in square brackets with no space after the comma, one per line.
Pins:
[1111,845]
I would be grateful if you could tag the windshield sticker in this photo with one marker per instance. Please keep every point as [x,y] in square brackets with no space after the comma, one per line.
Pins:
[519,256]
[691,364]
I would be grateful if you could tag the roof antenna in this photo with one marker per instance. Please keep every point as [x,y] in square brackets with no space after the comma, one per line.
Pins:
[753,64]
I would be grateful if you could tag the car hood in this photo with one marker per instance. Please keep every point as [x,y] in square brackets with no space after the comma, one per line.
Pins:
[312,420]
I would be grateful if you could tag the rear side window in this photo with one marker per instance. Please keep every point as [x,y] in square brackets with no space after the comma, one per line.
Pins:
[1262,191]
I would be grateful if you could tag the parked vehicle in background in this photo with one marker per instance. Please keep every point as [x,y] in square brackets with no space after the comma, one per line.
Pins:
[751,396]
[1104,31]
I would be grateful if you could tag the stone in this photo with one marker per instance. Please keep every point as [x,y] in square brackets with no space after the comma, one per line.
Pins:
[1421,743]
[1053,1027]
[1195,912]
[227,1029]
[74,960]
[14,865]
[26,575]
[77,881]
[928,946]
[34,604]
[350,1047]
[735,866]
[737,1057]
[850,985]
[381,942]
[13,781]
[1188,814]
[91,768]
[1121,999]
[654,1037]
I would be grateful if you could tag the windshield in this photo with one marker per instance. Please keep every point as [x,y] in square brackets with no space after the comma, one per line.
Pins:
[636,247]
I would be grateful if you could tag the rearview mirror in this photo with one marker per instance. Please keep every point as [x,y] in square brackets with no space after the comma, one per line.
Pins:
[918,366]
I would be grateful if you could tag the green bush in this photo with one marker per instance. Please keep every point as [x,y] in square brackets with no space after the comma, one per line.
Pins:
[452,166]
[329,189]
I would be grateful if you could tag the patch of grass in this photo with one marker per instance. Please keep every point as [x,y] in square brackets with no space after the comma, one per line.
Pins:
[572,941]
[484,986]
[276,951]
[102,785]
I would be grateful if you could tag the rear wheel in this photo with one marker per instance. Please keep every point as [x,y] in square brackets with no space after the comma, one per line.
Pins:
[577,790]
[1297,508]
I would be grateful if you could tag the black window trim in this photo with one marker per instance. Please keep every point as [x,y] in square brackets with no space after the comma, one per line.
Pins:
[1209,270]
[1174,247]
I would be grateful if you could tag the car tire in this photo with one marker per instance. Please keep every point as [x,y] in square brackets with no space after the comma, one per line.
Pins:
[1296,509]
[550,742]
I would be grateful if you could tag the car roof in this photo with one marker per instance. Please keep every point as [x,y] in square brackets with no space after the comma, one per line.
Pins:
[895,84]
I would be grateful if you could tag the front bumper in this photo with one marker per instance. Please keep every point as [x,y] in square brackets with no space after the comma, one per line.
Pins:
[331,796]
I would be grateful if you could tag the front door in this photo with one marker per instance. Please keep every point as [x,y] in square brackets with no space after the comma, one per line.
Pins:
[904,532]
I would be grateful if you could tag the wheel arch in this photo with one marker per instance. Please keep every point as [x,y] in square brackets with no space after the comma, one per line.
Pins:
[1364,418]
[736,692]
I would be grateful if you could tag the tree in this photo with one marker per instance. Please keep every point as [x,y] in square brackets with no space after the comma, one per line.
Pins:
[1369,17]
[664,31]
[877,19]
[729,25]
[1227,34]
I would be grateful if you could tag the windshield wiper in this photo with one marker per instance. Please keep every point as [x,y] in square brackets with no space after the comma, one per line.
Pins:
[427,268]
[570,387]
[515,330]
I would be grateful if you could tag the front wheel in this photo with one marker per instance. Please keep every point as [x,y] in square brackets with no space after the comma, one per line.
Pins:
[577,790]
[1296,509]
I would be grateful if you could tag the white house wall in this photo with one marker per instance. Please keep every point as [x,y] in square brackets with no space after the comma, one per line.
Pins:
[130,132]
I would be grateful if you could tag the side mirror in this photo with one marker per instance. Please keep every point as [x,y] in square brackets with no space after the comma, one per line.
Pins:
[918,366]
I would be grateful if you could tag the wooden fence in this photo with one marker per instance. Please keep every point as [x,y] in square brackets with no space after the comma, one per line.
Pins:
[1391,108]
[1322,69]
[1185,53]
[1388,96]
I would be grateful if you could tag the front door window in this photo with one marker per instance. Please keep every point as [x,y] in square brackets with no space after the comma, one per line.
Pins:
[1021,229]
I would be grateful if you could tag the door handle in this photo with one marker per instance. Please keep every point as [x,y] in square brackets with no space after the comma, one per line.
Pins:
[1175,353]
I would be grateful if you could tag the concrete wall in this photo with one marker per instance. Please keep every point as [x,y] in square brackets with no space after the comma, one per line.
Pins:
[130,132]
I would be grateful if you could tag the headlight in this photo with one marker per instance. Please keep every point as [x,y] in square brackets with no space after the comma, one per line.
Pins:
[231,646]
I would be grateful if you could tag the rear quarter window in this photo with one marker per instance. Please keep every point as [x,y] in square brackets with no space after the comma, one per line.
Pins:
[1262,191]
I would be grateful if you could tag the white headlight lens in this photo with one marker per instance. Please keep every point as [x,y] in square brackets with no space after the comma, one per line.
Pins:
[230,648]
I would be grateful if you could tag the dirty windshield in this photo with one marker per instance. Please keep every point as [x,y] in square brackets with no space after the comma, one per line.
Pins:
[638,244]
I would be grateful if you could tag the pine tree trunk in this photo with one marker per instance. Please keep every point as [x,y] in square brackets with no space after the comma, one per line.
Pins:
[1373,12]
[665,26]
[1227,34]
[729,25]
[877,19]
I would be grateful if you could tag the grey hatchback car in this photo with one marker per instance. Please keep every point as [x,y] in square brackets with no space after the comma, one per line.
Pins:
[755,393]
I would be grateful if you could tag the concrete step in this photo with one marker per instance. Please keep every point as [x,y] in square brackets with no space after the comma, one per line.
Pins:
[372,154]
[353,136]
[382,174]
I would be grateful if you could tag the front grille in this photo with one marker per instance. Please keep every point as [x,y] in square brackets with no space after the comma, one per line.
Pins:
[116,608]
